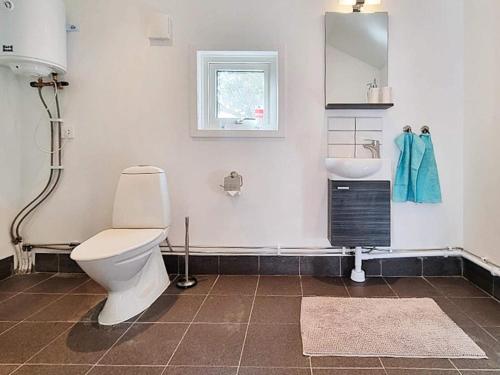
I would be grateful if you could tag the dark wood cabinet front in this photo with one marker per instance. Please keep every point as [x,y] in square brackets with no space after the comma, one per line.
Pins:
[359,213]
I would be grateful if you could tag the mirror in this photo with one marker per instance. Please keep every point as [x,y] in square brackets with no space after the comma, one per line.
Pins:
[356,55]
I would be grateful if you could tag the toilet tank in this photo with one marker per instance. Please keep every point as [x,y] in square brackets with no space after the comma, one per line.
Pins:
[142,199]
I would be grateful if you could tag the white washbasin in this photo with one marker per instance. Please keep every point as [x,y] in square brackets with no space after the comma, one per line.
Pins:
[350,168]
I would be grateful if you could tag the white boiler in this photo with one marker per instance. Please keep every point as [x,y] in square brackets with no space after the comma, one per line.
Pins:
[33,36]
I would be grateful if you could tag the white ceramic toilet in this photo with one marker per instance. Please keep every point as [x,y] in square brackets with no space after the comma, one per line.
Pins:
[126,259]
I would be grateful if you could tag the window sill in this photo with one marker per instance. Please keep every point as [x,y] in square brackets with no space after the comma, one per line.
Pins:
[197,133]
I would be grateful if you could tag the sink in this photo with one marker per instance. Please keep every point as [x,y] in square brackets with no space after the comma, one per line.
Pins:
[358,169]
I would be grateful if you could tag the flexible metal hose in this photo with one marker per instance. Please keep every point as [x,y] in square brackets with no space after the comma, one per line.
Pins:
[24,262]
[14,229]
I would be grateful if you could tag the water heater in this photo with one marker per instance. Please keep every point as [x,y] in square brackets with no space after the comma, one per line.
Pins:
[33,36]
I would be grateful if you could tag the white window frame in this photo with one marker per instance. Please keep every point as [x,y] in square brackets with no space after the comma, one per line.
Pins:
[208,64]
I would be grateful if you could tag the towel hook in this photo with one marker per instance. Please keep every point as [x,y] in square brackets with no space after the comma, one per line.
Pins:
[407,129]
[425,130]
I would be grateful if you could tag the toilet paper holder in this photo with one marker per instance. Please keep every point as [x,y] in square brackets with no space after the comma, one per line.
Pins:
[233,183]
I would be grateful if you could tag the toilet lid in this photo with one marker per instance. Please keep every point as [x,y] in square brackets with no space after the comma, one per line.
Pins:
[113,242]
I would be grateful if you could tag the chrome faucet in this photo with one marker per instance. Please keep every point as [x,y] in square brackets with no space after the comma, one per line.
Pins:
[374,147]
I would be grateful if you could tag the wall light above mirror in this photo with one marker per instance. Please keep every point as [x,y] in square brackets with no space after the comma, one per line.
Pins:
[358,4]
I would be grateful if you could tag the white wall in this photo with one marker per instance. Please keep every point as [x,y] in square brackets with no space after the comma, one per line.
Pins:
[131,104]
[482,120]
[10,157]
[426,72]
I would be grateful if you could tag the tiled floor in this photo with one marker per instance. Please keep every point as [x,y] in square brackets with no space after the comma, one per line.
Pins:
[226,325]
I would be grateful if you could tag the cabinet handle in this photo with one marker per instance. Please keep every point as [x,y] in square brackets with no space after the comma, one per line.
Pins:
[343,188]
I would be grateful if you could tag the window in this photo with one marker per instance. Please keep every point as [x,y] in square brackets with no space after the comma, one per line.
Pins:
[237,94]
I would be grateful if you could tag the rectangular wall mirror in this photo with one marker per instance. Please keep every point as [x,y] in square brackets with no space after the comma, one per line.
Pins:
[356,54]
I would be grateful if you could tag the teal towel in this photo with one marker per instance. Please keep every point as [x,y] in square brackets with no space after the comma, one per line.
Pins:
[412,150]
[428,187]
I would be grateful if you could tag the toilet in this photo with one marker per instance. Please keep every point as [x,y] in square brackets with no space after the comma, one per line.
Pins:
[126,259]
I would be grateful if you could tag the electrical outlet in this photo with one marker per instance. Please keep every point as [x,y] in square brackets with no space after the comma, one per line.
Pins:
[68,132]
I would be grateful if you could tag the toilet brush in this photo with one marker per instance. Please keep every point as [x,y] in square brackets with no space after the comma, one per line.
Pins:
[186,281]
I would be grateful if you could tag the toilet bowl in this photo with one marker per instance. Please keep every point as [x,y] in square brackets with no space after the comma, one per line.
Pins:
[126,259]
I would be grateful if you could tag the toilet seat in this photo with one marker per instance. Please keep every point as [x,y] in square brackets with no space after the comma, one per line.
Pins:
[113,242]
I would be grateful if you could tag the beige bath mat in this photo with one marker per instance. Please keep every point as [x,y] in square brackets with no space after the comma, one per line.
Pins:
[382,327]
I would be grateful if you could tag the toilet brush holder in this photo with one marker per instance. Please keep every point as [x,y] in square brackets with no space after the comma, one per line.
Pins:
[186,281]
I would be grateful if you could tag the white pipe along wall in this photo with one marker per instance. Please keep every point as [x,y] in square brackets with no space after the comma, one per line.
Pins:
[131,103]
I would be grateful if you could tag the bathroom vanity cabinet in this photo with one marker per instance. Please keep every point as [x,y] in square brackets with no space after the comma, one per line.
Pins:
[359,213]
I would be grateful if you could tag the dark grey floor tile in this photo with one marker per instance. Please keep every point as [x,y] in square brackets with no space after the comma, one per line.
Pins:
[273,371]
[6,267]
[173,308]
[201,265]
[323,286]
[187,370]
[374,287]
[239,265]
[4,326]
[47,262]
[456,287]
[68,265]
[71,308]
[24,340]
[18,283]
[146,344]
[320,266]
[7,369]
[493,331]
[59,283]
[372,267]
[84,343]
[211,345]
[496,287]
[279,265]
[6,296]
[261,347]
[478,275]
[21,306]
[454,313]
[225,309]
[412,287]
[402,267]
[490,346]
[126,370]
[279,285]
[421,372]
[346,362]
[421,363]
[171,263]
[89,287]
[276,309]
[484,311]
[205,283]
[441,266]
[357,371]
[235,285]
[52,370]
